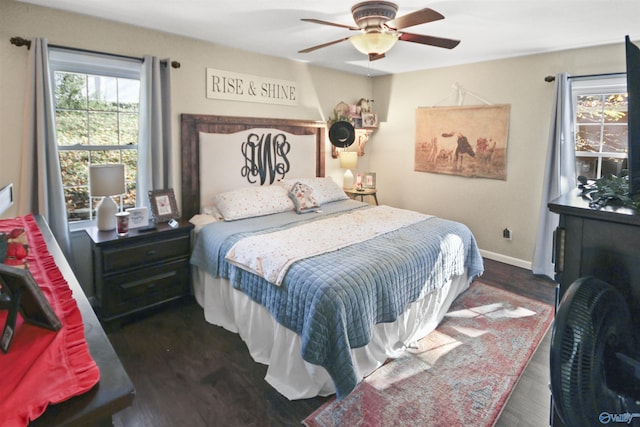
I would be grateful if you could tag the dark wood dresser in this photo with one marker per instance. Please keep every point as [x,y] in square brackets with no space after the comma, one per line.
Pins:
[141,270]
[604,243]
[114,392]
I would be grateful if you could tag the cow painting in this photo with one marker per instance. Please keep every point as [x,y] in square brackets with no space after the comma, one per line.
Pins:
[469,141]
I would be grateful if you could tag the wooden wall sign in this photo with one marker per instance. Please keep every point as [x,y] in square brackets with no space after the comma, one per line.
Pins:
[245,87]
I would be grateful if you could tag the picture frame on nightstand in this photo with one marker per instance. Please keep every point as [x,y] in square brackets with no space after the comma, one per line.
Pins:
[138,217]
[163,205]
[369,180]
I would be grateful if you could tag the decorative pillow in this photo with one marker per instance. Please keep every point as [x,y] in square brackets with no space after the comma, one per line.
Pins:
[303,199]
[252,201]
[325,189]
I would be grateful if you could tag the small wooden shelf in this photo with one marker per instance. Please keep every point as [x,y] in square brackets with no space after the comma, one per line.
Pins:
[364,126]
[361,193]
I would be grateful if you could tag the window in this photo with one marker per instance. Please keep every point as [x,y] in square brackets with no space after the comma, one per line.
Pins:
[96,108]
[600,125]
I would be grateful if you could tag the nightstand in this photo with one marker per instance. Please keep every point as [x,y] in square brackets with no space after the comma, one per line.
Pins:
[141,270]
[365,192]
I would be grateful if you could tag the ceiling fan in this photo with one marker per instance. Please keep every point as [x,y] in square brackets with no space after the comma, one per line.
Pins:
[380,29]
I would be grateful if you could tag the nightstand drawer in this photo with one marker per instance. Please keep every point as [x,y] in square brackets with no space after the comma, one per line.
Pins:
[144,288]
[135,256]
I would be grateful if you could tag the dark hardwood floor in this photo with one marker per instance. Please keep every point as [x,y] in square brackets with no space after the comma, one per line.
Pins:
[529,403]
[189,373]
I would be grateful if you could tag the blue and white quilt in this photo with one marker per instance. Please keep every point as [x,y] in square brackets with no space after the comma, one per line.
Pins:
[334,299]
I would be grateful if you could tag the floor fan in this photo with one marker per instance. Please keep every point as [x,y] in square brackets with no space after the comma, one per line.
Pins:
[595,363]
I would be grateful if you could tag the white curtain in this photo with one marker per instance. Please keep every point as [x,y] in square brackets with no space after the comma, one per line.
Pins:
[560,173]
[154,138]
[40,190]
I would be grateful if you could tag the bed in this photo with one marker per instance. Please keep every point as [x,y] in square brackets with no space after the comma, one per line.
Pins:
[321,313]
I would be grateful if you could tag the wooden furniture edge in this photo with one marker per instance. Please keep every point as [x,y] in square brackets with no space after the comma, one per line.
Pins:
[115,391]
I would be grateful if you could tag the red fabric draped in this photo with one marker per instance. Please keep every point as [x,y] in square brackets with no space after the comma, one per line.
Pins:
[43,367]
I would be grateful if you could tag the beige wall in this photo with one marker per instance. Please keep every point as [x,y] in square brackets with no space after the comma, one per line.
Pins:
[486,206]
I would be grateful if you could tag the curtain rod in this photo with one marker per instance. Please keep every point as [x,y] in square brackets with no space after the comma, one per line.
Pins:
[550,79]
[20,41]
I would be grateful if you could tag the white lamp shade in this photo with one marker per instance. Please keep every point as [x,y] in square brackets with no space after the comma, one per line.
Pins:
[374,42]
[106,180]
[348,159]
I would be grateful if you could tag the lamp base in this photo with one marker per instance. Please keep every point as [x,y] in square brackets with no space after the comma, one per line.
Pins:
[106,214]
[347,179]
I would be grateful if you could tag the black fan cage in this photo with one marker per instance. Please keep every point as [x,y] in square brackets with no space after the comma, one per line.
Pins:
[592,324]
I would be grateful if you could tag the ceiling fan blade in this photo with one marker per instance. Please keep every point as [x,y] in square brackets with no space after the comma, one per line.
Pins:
[430,40]
[333,24]
[418,17]
[375,56]
[320,46]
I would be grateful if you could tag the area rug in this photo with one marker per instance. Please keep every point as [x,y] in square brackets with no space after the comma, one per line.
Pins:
[461,374]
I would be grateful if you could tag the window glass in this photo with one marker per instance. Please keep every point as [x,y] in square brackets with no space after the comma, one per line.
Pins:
[600,123]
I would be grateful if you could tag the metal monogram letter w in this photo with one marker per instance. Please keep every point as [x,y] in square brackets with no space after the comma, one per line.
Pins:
[265,157]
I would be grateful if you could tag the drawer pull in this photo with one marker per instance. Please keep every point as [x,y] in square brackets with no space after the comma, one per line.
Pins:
[155,278]
[152,252]
[558,249]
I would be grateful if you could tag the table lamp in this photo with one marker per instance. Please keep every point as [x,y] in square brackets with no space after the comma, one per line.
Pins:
[348,161]
[106,181]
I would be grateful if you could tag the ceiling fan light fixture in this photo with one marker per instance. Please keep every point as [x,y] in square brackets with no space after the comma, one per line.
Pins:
[374,42]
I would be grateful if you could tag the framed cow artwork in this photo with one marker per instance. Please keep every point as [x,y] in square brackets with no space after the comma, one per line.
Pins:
[469,141]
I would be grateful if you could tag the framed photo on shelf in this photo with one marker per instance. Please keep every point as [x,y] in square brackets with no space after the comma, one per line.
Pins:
[163,205]
[369,180]
[369,120]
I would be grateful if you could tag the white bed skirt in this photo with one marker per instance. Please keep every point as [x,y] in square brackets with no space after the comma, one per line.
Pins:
[278,347]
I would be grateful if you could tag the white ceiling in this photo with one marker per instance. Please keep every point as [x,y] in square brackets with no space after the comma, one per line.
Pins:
[488,29]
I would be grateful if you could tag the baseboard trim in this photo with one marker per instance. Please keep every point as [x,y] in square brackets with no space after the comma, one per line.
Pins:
[506,259]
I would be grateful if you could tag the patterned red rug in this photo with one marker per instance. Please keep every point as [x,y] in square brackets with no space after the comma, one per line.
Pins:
[460,375]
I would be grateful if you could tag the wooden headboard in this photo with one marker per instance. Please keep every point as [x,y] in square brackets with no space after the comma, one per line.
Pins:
[192,125]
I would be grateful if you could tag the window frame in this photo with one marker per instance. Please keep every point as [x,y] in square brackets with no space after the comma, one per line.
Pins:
[93,63]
